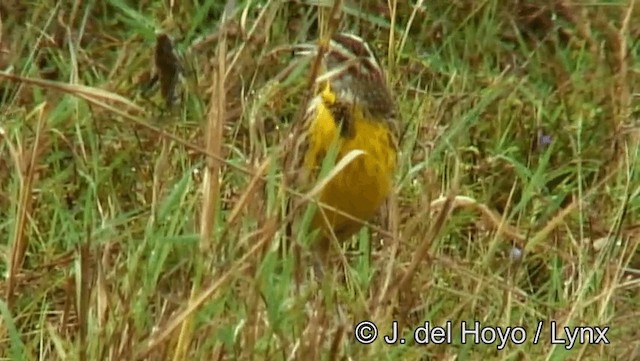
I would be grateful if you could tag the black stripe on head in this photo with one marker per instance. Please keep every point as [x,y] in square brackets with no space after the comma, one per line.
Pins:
[350,48]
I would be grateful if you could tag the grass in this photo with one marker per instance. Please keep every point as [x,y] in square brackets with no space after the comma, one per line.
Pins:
[136,231]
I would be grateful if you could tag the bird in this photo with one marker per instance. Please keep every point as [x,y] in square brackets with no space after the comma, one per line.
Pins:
[352,109]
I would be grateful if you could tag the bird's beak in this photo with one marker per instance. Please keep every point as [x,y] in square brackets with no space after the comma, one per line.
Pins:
[305,49]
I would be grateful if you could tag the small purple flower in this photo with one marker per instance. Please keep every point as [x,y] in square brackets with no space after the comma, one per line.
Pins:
[543,139]
[515,254]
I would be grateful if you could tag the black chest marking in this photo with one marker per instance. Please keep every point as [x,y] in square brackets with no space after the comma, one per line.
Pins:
[343,116]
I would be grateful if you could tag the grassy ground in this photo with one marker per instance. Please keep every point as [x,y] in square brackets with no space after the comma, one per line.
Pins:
[516,202]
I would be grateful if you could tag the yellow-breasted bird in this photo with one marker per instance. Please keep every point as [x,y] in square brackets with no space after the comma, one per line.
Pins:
[352,109]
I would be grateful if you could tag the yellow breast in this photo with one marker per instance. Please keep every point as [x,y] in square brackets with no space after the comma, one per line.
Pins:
[362,186]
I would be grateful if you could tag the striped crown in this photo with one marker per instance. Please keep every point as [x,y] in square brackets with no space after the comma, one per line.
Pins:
[354,73]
